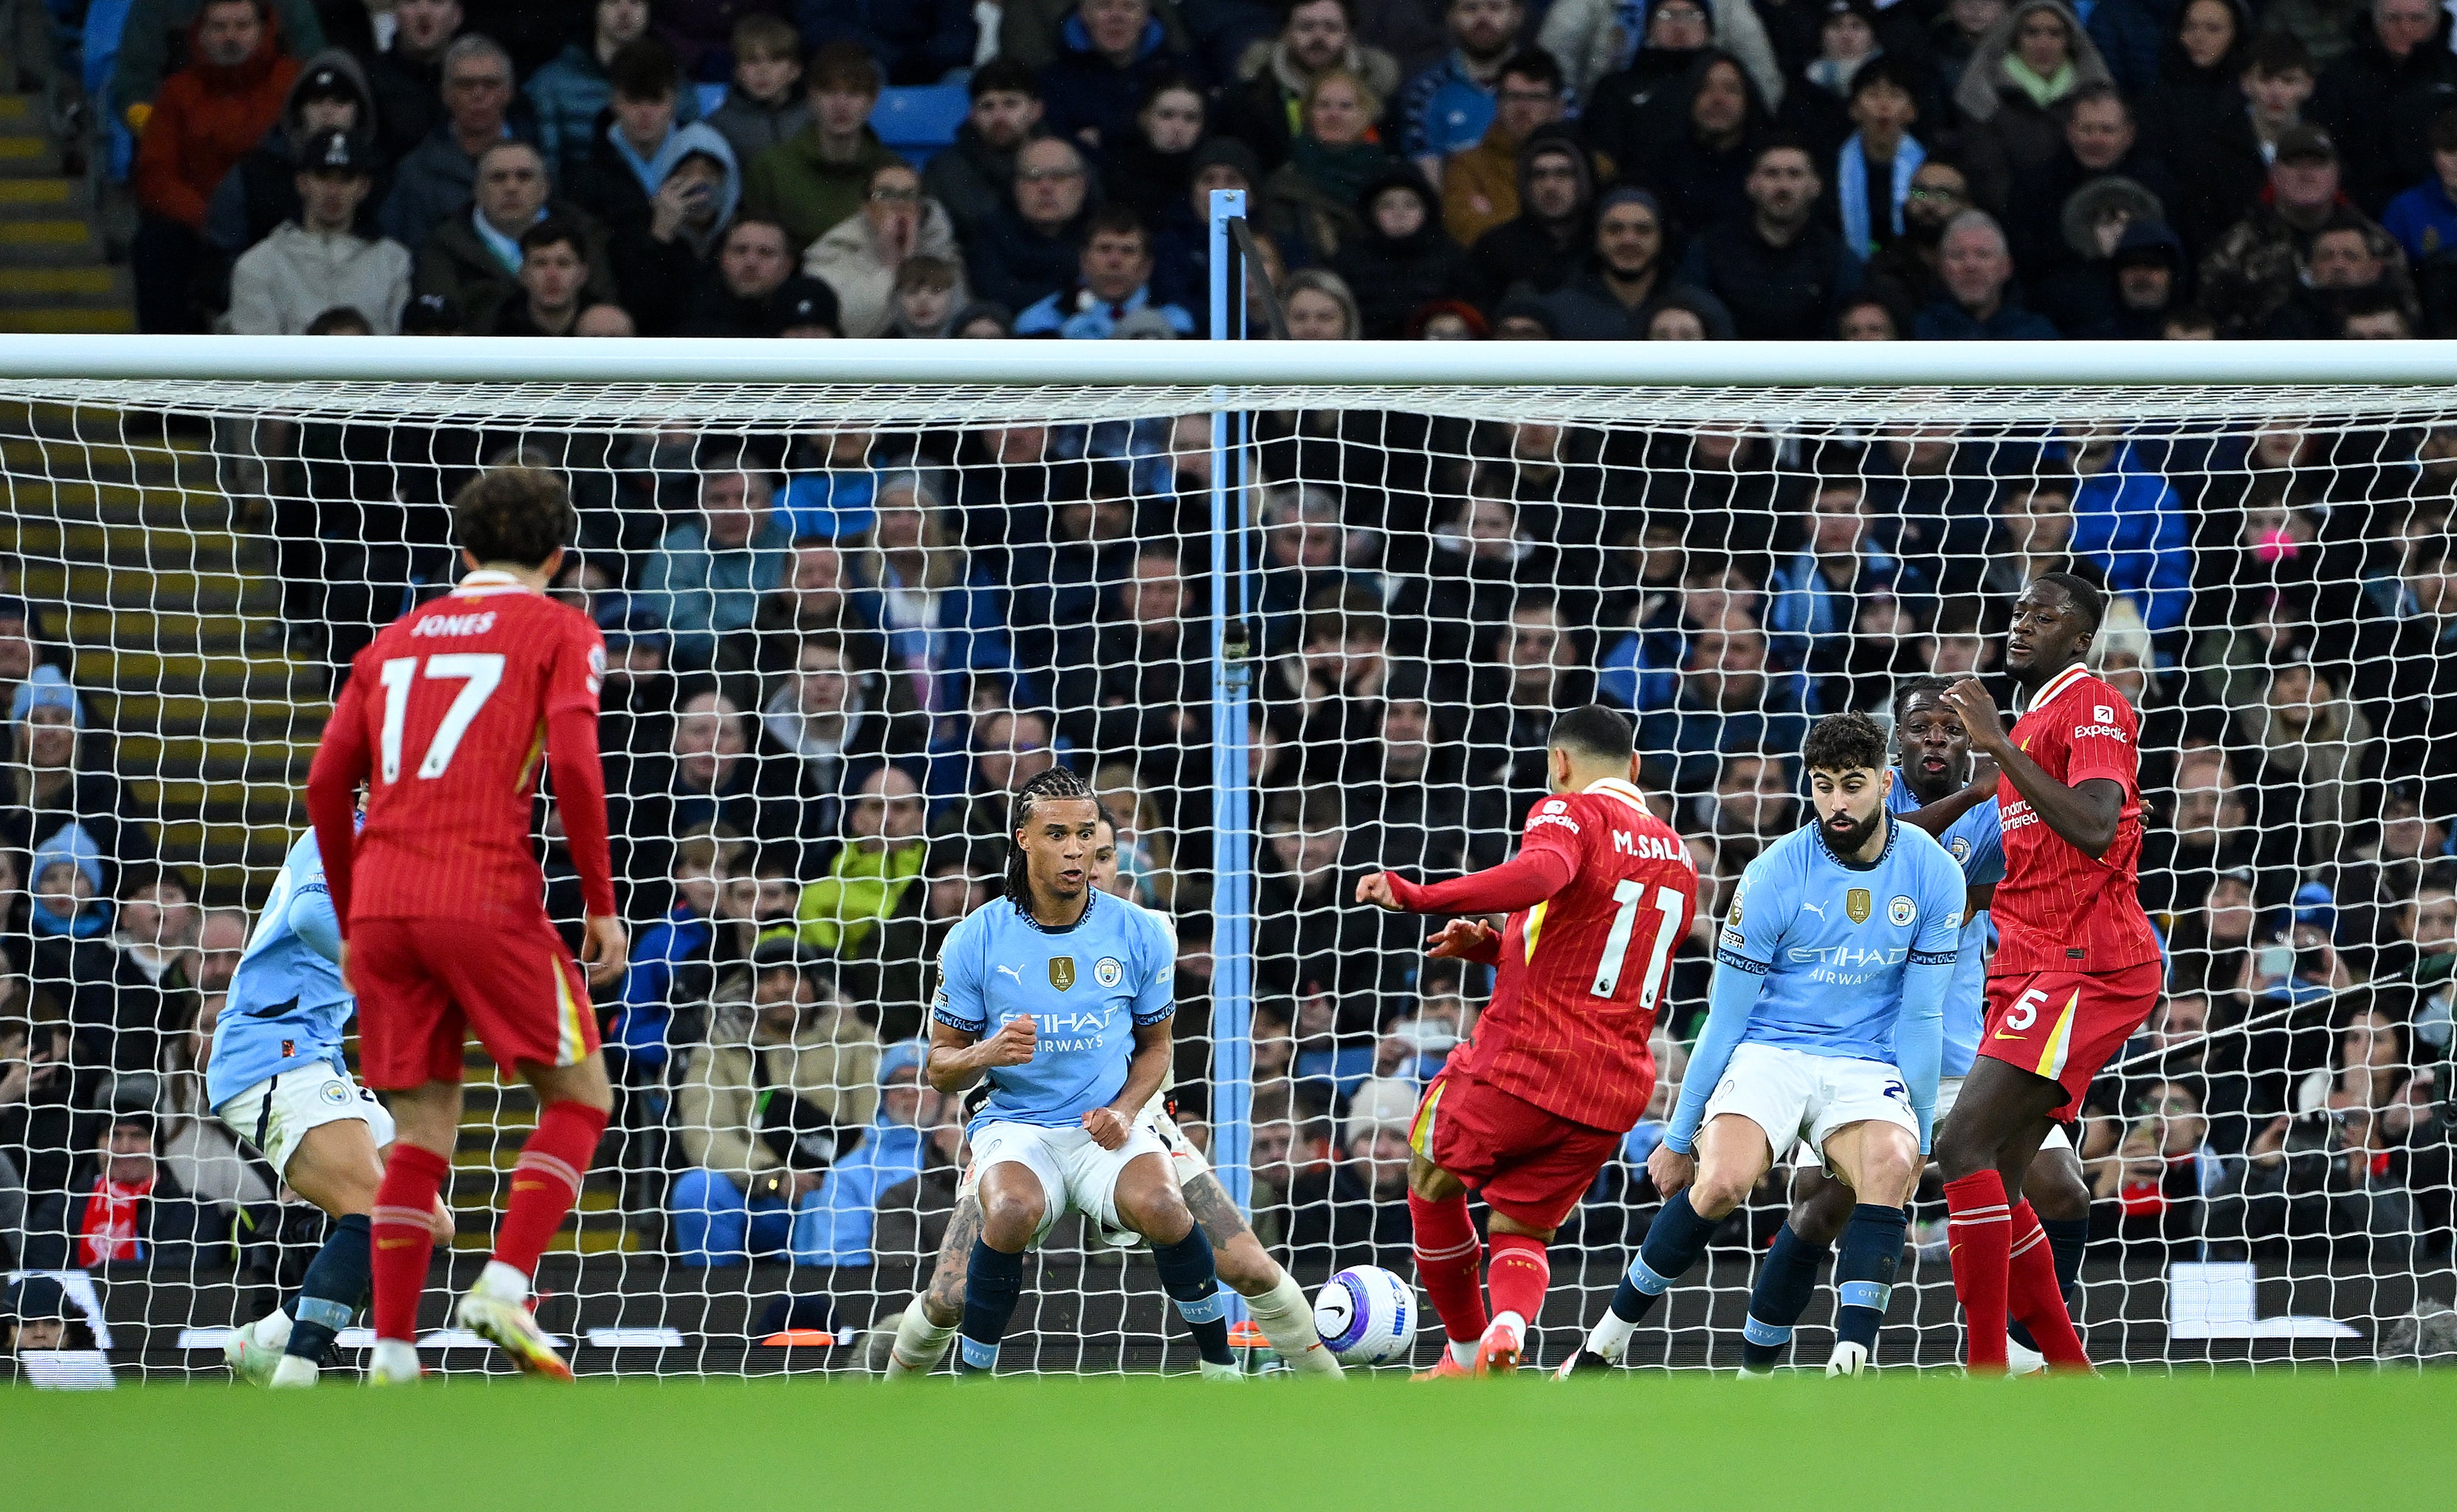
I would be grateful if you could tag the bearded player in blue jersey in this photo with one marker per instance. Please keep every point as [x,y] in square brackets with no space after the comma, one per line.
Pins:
[1825,1024]
[1061,995]
[277,1078]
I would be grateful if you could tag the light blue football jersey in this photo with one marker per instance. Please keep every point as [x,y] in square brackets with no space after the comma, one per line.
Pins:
[1976,841]
[1086,988]
[1830,938]
[287,1008]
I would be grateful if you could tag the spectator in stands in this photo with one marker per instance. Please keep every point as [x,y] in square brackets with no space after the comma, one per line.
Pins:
[1481,181]
[675,970]
[816,603]
[577,85]
[440,173]
[1903,273]
[835,1225]
[1111,54]
[1814,600]
[1312,201]
[209,114]
[2406,666]
[1310,933]
[2014,93]
[2100,150]
[810,181]
[781,1086]
[974,176]
[2377,99]
[1182,240]
[826,719]
[473,258]
[318,260]
[2252,271]
[1619,76]
[1874,171]
[1543,246]
[554,268]
[1733,701]
[974,776]
[2195,119]
[260,191]
[1356,1211]
[861,258]
[763,104]
[47,782]
[40,1125]
[2308,744]
[661,263]
[1979,303]
[1030,249]
[2348,258]
[1780,270]
[1151,170]
[2423,218]
[849,911]
[1399,259]
[1448,107]
[924,303]
[705,577]
[736,296]
[1698,161]
[935,610]
[159,33]
[121,1208]
[1113,280]
[629,175]
[405,80]
[1263,108]
[19,655]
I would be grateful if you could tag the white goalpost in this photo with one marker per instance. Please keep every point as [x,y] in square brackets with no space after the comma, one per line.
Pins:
[855,592]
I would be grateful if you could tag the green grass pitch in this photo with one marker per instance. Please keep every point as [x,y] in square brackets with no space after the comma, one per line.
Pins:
[2309,1440]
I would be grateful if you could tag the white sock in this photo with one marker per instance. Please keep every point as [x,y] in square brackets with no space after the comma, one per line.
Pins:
[1610,1336]
[1464,1354]
[920,1343]
[1287,1319]
[499,1282]
[272,1330]
[1517,1325]
[292,1371]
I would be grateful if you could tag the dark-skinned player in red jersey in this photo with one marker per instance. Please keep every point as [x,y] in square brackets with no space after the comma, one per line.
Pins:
[1559,1069]
[446,719]
[2076,968]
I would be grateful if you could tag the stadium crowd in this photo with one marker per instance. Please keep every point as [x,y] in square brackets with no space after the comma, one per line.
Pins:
[833,655]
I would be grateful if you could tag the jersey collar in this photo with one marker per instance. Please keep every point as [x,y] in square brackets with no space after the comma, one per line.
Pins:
[1893,830]
[484,582]
[1090,903]
[1618,788]
[2057,684]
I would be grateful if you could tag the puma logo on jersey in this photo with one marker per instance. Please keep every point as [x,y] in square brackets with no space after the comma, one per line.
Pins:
[1814,908]
[454,624]
[1013,972]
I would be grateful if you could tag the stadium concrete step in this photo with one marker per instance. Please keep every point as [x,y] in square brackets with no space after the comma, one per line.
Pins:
[53,275]
[195,729]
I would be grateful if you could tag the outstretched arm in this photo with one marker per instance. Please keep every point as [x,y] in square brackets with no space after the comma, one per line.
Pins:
[1523,882]
[1939,817]
[2084,815]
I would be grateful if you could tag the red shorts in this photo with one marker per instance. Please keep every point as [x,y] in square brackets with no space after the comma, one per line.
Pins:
[1528,1165]
[2064,1025]
[425,985]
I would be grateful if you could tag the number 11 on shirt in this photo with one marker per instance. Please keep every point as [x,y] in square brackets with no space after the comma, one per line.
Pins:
[1669,906]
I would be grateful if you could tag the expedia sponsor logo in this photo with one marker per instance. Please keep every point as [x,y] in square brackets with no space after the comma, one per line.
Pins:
[2099,732]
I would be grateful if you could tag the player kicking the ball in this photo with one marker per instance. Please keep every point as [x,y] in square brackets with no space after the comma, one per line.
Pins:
[2076,969]
[446,717]
[1060,994]
[277,1078]
[929,1321]
[1557,1070]
[1824,1024]
[1934,789]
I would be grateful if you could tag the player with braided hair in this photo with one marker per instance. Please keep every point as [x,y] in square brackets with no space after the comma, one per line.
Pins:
[927,1327]
[1061,995]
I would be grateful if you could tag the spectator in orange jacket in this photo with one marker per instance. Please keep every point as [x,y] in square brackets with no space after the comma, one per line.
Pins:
[207,117]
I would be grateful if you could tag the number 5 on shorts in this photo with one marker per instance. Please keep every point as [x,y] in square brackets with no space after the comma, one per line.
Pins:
[2025,1010]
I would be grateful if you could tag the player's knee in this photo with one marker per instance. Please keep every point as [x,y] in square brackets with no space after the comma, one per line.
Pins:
[1821,1212]
[1431,1182]
[1717,1193]
[1158,1214]
[1009,1217]
[2054,1190]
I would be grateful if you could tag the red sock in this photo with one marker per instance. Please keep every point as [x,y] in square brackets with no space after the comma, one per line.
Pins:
[1519,1273]
[1978,1232]
[1448,1257]
[403,1242]
[546,1181]
[2033,1297]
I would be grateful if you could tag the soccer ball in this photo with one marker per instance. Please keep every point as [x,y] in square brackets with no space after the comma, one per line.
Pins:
[1366,1315]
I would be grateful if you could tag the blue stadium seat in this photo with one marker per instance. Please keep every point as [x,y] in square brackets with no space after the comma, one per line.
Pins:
[919,119]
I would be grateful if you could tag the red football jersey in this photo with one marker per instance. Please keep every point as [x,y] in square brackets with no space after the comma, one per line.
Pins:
[2056,909]
[448,716]
[1576,989]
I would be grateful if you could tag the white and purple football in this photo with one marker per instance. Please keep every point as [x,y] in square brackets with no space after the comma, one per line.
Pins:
[1366,1316]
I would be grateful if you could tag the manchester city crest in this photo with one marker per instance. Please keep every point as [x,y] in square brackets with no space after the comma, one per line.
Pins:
[1902,910]
[1107,972]
[1959,847]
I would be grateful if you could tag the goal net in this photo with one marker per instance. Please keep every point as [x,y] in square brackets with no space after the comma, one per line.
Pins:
[845,620]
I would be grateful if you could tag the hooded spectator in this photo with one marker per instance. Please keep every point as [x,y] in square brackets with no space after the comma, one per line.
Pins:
[860,258]
[810,183]
[208,115]
[2099,143]
[1112,56]
[975,174]
[1265,109]
[2379,99]
[260,191]
[1628,277]
[318,261]
[2146,279]
[570,91]
[474,257]
[1151,168]
[2014,93]
[1554,227]
[1310,200]
[2077,293]
[1480,182]
[1399,258]
[1698,162]
[1780,270]
[1976,270]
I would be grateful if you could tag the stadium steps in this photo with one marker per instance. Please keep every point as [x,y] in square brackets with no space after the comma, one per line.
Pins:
[496,1116]
[53,275]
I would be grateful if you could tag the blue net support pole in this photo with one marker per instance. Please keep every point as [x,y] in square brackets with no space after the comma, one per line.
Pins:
[1232,955]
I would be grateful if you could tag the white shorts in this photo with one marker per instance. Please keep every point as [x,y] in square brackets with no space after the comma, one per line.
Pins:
[1948,1087]
[1794,1095]
[275,1113]
[1185,1159]
[1075,1173]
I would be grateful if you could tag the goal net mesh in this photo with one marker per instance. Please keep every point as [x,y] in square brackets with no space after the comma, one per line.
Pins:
[846,621]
